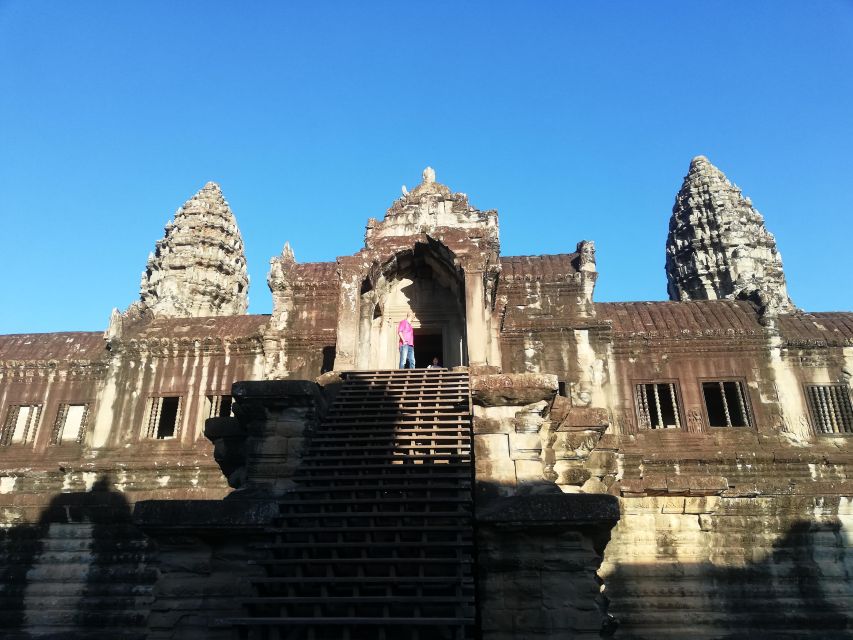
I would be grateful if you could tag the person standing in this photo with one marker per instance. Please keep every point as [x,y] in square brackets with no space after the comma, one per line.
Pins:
[406,340]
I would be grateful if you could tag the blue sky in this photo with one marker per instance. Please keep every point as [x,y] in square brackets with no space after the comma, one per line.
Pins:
[575,120]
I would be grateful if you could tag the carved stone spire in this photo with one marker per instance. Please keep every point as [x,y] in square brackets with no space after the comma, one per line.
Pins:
[427,207]
[198,268]
[718,246]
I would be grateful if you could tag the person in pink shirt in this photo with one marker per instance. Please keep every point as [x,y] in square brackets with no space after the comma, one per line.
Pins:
[406,340]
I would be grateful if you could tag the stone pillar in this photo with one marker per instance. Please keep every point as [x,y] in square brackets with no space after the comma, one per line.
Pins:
[365,335]
[477,330]
[347,339]
[273,418]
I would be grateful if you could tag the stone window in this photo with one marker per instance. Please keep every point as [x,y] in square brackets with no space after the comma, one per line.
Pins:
[658,405]
[70,424]
[830,408]
[563,388]
[726,403]
[219,406]
[164,417]
[21,424]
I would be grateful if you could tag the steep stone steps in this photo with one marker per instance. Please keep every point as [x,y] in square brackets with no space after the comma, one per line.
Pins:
[376,541]
[75,579]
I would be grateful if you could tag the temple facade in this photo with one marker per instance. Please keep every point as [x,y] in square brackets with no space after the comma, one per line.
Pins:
[720,420]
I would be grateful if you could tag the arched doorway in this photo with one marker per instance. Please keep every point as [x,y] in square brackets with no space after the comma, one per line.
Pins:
[425,281]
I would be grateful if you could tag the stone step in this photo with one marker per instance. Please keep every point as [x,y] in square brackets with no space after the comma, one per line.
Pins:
[74,617]
[89,573]
[51,589]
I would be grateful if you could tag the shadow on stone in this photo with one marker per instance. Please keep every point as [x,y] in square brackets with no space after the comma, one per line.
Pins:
[81,571]
[800,590]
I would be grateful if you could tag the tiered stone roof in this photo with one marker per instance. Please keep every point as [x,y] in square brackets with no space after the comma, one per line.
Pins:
[198,267]
[718,246]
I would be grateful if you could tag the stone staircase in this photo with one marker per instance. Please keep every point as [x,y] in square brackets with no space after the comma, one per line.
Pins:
[377,539]
[74,580]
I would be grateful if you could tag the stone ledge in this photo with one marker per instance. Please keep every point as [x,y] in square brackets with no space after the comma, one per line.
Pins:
[550,509]
[207,515]
[277,389]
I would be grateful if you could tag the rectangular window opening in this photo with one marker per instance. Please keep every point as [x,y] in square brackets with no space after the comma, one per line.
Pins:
[71,422]
[726,403]
[21,424]
[657,405]
[562,388]
[830,408]
[164,417]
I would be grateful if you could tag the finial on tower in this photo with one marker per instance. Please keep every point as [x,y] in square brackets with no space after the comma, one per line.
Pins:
[429,175]
[287,253]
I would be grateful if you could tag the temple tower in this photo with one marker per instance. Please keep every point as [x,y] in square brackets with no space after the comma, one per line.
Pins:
[198,268]
[718,246]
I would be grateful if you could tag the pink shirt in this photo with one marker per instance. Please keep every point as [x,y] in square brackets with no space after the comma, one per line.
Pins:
[408,335]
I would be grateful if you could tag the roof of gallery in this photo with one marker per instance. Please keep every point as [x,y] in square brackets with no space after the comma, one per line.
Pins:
[213,326]
[680,318]
[79,345]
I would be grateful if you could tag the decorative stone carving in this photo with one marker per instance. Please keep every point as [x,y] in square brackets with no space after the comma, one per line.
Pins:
[429,206]
[586,255]
[198,268]
[718,246]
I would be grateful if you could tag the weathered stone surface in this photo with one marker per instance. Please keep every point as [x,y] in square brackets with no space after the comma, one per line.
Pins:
[513,389]
[198,268]
[550,509]
[718,246]
[203,515]
[584,418]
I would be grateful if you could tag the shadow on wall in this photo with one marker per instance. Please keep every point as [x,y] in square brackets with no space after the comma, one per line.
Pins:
[802,589]
[80,572]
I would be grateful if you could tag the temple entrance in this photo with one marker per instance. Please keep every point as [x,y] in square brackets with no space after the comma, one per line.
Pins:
[426,283]
[429,345]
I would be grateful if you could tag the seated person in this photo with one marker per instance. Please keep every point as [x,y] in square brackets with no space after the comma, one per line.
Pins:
[434,364]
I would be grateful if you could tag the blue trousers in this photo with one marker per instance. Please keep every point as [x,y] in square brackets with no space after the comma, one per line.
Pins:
[407,356]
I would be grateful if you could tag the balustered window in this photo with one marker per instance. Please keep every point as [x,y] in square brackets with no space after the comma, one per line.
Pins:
[830,408]
[21,424]
[658,405]
[726,403]
[70,424]
[164,417]
[219,406]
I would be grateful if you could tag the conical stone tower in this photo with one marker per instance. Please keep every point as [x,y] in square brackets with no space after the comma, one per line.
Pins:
[718,246]
[198,268]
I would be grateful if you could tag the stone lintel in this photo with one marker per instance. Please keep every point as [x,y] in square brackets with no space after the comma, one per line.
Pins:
[513,389]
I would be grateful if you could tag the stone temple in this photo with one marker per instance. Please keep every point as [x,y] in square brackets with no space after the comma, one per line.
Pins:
[578,469]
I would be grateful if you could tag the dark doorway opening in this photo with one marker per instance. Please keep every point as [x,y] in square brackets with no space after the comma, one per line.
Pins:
[428,345]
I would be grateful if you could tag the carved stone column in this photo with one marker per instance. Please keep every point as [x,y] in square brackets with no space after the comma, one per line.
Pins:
[347,346]
[477,330]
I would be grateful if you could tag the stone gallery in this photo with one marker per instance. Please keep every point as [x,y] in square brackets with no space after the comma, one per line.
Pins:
[577,469]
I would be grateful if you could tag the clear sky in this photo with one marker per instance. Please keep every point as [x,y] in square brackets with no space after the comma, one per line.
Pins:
[576,120]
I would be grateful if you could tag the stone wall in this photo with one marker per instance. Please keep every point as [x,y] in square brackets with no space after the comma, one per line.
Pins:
[747,538]
[723,533]
[538,548]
